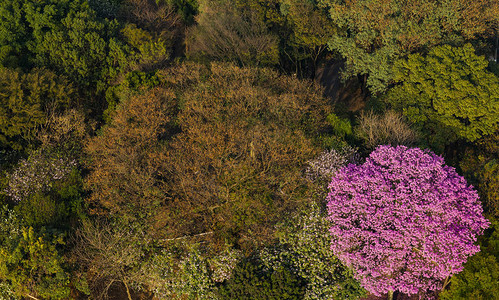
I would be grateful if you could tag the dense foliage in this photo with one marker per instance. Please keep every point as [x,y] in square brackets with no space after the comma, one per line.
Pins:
[448,94]
[181,149]
[372,34]
[403,220]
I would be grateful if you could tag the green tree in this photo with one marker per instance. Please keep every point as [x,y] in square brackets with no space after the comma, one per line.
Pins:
[30,260]
[310,29]
[249,281]
[480,163]
[28,101]
[372,34]
[304,250]
[447,94]
[64,36]
[480,277]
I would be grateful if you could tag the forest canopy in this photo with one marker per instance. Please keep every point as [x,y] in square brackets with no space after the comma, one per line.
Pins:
[249,149]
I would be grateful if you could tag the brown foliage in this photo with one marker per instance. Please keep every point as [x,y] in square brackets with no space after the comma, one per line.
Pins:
[235,165]
[110,253]
[127,159]
[389,128]
[154,16]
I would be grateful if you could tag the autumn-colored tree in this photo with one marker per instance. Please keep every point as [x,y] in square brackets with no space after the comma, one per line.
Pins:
[374,33]
[231,168]
[236,164]
[127,159]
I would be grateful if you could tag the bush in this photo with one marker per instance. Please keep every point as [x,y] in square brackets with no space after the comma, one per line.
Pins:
[30,260]
[324,166]
[248,281]
[228,34]
[480,277]
[388,128]
[480,163]
[36,174]
[304,249]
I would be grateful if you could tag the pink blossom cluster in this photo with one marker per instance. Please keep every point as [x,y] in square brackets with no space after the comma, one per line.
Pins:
[403,220]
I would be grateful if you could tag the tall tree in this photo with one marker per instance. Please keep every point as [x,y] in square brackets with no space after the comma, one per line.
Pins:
[403,220]
[448,94]
[375,33]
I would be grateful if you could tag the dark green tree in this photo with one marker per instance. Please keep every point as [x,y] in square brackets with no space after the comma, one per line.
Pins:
[250,281]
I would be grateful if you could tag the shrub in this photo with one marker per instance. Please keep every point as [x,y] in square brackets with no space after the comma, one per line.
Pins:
[403,220]
[36,174]
[228,34]
[480,277]
[30,260]
[481,164]
[389,128]
[324,166]
[248,281]
[304,249]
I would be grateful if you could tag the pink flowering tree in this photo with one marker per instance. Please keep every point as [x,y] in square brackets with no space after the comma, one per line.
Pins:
[403,220]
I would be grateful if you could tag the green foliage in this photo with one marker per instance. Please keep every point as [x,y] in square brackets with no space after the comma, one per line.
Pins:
[64,36]
[373,34]
[184,270]
[47,188]
[27,101]
[448,94]
[480,277]
[249,281]
[304,250]
[30,262]
[480,163]
[188,9]
[341,127]
[310,29]
[149,51]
